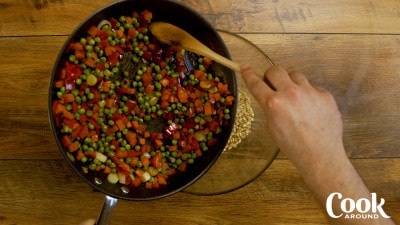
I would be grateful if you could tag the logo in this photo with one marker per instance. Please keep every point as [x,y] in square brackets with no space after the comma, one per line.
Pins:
[362,208]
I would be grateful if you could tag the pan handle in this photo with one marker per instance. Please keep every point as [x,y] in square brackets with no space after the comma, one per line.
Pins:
[107,210]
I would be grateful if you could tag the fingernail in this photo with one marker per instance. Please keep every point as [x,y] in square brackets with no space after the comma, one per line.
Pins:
[245,66]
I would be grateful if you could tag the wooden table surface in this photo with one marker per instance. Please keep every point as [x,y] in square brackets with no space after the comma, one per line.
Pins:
[352,48]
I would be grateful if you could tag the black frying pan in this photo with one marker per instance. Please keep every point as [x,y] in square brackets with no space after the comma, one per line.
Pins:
[195,24]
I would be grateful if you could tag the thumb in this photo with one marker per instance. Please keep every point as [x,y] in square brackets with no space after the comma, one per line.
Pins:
[88,222]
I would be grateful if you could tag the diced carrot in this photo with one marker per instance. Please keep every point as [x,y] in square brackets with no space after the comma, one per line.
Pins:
[79,54]
[74,107]
[68,98]
[142,141]
[147,15]
[78,46]
[84,131]
[132,32]
[128,19]
[93,30]
[183,95]
[207,61]
[171,172]
[106,86]
[217,96]
[90,62]
[79,155]
[134,161]
[198,152]
[71,123]
[157,160]
[135,14]
[133,153]
[139,172]
[59,83]
[131,138]
[173,148]
[222,87]
[208,109]
[155,184]
[229,100]
[199,75]
[145,148]
[111,130]
[107,170]
[109,102]
[198,103]
[141,45]
[120,124]
[66,141]
[176,135]
[125,90]
[161,179]
[58,108]
[95,137]
[137,181]
[120,33]
[164,82]
[109,50]
[146,134]
[145,162]
[149,185]
[135,124]
[124,168]
[149,89]
[158,143]
[183,166]
[75,132]
[73,147]
[67,114]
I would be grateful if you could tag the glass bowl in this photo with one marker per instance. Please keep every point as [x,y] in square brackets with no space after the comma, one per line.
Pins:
[240,165]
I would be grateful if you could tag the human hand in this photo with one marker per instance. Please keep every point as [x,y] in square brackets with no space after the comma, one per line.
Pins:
[303,120]
[88,222]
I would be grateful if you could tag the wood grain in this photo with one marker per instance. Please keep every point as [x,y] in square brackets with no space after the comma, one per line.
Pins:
[44,17]
[279,196]
[350,48]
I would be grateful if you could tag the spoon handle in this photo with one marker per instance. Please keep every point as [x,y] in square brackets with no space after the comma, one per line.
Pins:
[205,51]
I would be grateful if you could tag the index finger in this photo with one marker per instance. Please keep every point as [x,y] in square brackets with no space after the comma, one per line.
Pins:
[257,87]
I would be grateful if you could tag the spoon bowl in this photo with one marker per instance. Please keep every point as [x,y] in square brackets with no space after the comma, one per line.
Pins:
[172,35]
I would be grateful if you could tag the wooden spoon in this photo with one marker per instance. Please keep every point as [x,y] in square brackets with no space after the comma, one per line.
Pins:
[175,36]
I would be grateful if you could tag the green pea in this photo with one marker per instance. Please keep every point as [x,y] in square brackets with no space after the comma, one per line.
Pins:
[90,96]
[82,41]
[72,58]
[227,116]
[89,48]
[91,42]
[89,113]
[81,111]
[92,166]
[84,159]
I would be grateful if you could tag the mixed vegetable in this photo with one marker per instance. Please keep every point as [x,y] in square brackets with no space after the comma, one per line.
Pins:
[116,88]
